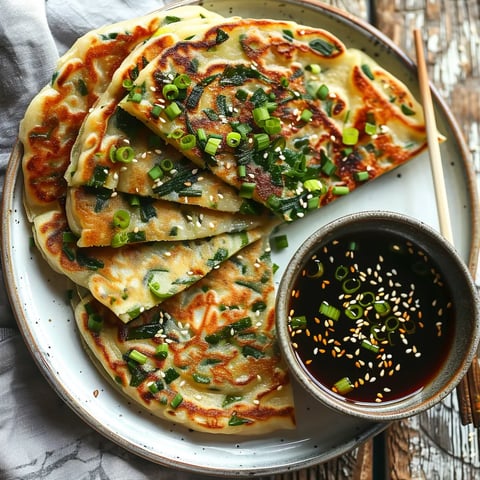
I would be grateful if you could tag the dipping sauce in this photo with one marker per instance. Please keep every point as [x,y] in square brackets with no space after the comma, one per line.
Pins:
[371,317]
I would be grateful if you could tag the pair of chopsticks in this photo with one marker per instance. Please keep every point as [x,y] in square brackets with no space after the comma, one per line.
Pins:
[468,390]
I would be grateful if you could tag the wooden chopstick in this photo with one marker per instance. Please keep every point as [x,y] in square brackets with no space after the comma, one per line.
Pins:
[468,390]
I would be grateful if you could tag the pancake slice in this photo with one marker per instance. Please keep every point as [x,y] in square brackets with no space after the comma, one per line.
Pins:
[284,113]
[99,218]
[206,358]
[135,277]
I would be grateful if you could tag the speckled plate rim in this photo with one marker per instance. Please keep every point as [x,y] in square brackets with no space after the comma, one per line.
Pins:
[278,454]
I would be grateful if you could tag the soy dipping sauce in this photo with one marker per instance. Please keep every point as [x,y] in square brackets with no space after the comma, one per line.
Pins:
[371,317]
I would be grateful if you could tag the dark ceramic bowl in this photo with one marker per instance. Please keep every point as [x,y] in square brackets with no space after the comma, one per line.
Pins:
[377,316]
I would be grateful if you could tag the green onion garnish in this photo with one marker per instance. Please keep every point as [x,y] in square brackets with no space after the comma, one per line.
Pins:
[233,139]
[260,114]
[182,81]
[124,154]
[247,189]
[354,311]
[156,172]
[170,91]
[121,218]
[137,356]
[329,311]
[172,111]
[350,135]
[280,242]
[340,190]
[212,145]
[370,346]
[343,386]
[176,401]
[306,115]
[161,351]
[187,142]
[361,176]
[298,323]
[322,92]
[262,141]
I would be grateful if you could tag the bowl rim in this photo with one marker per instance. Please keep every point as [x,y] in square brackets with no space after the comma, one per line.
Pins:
[406,406]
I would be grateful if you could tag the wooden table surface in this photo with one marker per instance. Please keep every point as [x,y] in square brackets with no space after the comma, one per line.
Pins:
[433,445]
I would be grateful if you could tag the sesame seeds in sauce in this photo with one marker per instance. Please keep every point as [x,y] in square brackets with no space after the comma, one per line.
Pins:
[370,317]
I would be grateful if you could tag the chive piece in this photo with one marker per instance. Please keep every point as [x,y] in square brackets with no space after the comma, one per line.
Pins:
[199,378]
[170,91]
[236,421]
[176,134]
[280,242]
[343,386]
[229,399]
[187,142]
[361,176]
[367,71]
[272,125]
[322,92]
[95,322]
[156,172]
[161,351]
[176,401]
[242,171]
[260,114]
[313,185]
[233,139]
[341,272]
[69,237]
[202,135]
[306,115]
[172,111]
[351,285]
[182,81]
[350,135]
[382,307]
[340,190]
[298,323]
[137,356]
[329,311]
[119,239]
[314,68]
[370,128]
[156,110]
[156,387]
[366,299]
[212,145]
[170,375]
[124,154]
[241,94]
[406,110]
[370,346]
[247,189]
[354,311]
[121,219]
[262,141]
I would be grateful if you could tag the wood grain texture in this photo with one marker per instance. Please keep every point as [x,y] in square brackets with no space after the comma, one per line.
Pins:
[436,445]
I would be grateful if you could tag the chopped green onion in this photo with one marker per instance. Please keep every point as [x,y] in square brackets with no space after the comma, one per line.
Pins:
[366,299]
[407,110]
[127,84]
[313,185]
[329,311]
[242,171]
[351,285]
[350,135]
[212,145]
[176,134]
[262,141]
[161,351]
[318,271]
[119,239]
[233,139]
[314,68]
[172,111]
[199,378]
[370,346]
[182,81]
[121,219]
[124,154]
[367,71]
[272,125]
[95,322]
[155,387]
[170,91]
[322,92]
[137,356]
[313,203]
[241,95]
[340,190]
[247,189]
[166,164]
[156,172]
[176,401]
[260,114]
[341,272]
[156,110]
[306,115]
[382,307]
[370,128]
[187,142]
[298,323]
[280,242]
[343,386]
[361,176]
[202,135]
[69,237]
[354,311]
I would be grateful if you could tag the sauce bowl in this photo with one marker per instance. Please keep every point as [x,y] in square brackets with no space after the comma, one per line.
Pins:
[377,316]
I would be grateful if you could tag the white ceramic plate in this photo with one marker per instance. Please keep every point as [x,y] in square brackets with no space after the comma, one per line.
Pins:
[39,296]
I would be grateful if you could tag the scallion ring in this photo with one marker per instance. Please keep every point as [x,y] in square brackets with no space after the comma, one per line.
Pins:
[124,154]
[182,81]
[187,142]
[121,218]
[170,91]
[233,139]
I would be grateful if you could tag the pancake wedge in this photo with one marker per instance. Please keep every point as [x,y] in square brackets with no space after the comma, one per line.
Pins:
[207,358]
[99,218]
[284,113]
[54,117]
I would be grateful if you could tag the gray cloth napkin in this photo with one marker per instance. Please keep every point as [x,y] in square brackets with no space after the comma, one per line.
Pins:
[40,437]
